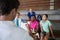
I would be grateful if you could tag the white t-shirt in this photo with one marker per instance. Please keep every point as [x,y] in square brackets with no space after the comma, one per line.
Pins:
[8,31]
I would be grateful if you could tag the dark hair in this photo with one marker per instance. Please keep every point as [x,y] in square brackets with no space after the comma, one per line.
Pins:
[46,15]
[7,5]
[18,13]
[34,16]
[39,18]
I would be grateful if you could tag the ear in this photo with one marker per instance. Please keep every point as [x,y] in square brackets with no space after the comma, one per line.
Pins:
[12,14]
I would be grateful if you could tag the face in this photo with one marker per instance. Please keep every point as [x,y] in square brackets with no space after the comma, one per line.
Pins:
[32,18]
[30,10]
[44,17]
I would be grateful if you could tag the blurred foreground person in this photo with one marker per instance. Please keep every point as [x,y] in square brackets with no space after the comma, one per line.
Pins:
[8,31]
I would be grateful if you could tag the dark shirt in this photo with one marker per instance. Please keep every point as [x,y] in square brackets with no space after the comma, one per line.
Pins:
[31,14]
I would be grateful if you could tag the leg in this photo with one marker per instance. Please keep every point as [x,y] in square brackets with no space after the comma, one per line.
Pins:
[41,36]
[35,37]
[46,37]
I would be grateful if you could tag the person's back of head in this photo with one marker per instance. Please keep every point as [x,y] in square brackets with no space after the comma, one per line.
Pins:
[8,31]
[7,5]
[39,18]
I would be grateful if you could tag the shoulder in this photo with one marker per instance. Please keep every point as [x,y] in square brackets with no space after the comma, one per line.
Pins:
[36,21]
[30,21]
[48,21]
[33,12]
[41,21]
[28,12]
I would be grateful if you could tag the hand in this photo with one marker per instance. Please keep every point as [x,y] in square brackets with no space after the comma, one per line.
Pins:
[53,37]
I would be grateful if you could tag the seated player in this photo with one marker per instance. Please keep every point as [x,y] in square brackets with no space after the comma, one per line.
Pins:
[17,20]
[45,25]
[33,26]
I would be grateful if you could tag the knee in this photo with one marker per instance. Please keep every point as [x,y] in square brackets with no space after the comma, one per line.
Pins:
[45,38]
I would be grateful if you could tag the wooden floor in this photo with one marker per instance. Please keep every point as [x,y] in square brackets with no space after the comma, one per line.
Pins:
[57,33]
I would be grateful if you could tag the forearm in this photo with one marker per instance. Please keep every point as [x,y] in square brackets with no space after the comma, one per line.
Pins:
[41,28]
[37,30]
[27,26]
[51,31]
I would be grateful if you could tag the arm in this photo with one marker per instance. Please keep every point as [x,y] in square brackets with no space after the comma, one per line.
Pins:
[27,26]
[52,31]
[37,25]
[41,27]
[37,28]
